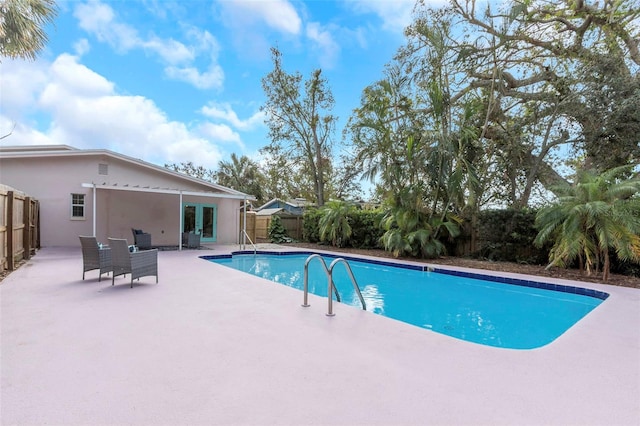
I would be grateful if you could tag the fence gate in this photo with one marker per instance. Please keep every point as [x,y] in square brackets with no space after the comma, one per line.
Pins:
[19,227]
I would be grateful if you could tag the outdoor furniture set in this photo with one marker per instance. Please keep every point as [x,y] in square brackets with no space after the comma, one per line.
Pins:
[118,259]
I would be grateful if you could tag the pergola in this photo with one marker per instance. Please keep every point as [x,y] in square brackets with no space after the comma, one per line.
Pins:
[179,192]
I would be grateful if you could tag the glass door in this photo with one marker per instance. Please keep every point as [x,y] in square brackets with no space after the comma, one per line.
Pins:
[189,218]
[208,222]
[201,219]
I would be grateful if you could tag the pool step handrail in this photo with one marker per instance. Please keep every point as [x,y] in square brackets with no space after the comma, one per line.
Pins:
[331,284]
[244,245]
[353,281]
[305,302]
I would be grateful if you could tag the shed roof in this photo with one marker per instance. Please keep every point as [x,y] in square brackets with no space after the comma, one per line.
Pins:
[269,212]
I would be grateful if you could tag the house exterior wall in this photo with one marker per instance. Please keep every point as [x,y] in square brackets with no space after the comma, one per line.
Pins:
[52,180]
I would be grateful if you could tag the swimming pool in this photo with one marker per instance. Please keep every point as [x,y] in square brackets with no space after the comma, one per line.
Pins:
[493,311]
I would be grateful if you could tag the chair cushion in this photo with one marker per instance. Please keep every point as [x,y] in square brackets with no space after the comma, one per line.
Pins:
[137,231]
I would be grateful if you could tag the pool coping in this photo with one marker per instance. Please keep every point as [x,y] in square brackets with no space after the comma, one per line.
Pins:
[432,268]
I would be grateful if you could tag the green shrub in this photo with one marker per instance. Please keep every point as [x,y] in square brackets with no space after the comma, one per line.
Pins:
[335,223]
[277,231]
[366,230]
[311,225]
[508,235]
[627,268]
[410,232]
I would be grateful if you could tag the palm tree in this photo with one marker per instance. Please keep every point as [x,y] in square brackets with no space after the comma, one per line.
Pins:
[386,133]
[241,174]
[22,24]
[412,229]
[596,214]
[334,223]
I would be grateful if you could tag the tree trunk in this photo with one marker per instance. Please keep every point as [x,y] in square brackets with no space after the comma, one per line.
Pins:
[319,175]
[607,265]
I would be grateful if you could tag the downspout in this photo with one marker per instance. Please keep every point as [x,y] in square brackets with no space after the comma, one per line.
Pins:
[180,225]
[94,210]
[244,223]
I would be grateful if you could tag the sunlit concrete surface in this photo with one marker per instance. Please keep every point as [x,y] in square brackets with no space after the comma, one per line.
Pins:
[210,345]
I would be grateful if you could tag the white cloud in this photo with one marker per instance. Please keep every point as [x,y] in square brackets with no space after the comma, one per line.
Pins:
[76,79]
[171,51]
[212,78]
[204,42]
[95,17]
[199,151]
[16,133]
[395,14]
[279,15]
[222,133]
[81,47]
[100,20]
[252,24]
[324,42]
[20,84]
[84,110]
[223,111]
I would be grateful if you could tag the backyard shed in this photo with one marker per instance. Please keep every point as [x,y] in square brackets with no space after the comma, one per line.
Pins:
[291,222]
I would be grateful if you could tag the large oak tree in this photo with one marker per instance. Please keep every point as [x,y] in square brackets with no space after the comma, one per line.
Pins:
[300,122]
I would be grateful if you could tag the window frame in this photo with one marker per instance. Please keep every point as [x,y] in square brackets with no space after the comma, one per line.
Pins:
[75,205]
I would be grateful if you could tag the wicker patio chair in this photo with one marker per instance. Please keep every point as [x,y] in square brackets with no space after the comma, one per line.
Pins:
[141,239]
[94,257]
[139,264]
[190,240]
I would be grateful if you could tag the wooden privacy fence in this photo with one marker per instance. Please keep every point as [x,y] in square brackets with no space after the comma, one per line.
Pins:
[292,224]
[19,227]
[251,226]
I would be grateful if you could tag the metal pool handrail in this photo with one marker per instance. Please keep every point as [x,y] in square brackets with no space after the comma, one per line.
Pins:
[306,279]
[353,280]
[331,285]
[255,249]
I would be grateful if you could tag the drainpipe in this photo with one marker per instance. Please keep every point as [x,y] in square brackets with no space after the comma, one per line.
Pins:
[244,224]
[180,226]
[94,209]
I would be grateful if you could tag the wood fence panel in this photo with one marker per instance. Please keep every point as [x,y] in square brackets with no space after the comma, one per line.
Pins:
[293,225]
[3,229]
[19,227]
[10,258]
[34,228]
[262,227]
[26,231]
[251,226]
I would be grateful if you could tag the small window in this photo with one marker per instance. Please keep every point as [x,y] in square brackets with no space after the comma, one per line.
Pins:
[103,169]
[77,206]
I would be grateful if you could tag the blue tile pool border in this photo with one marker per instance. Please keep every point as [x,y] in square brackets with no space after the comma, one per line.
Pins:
[506,280]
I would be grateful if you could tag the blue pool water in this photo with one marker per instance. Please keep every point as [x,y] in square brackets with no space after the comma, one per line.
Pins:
[517,315]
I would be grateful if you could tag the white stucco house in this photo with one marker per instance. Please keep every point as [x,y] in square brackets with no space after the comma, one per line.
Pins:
[106,194]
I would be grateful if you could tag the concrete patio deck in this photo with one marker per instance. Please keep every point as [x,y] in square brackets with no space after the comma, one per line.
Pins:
[209,345]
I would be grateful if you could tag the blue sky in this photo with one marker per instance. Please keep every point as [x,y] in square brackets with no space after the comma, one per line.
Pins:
[173,81]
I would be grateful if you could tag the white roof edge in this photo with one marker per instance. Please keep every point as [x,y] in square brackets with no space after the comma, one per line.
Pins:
[279,199]
[36,148]
[269,212]
[168,191]
[275,199]
[64,151]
